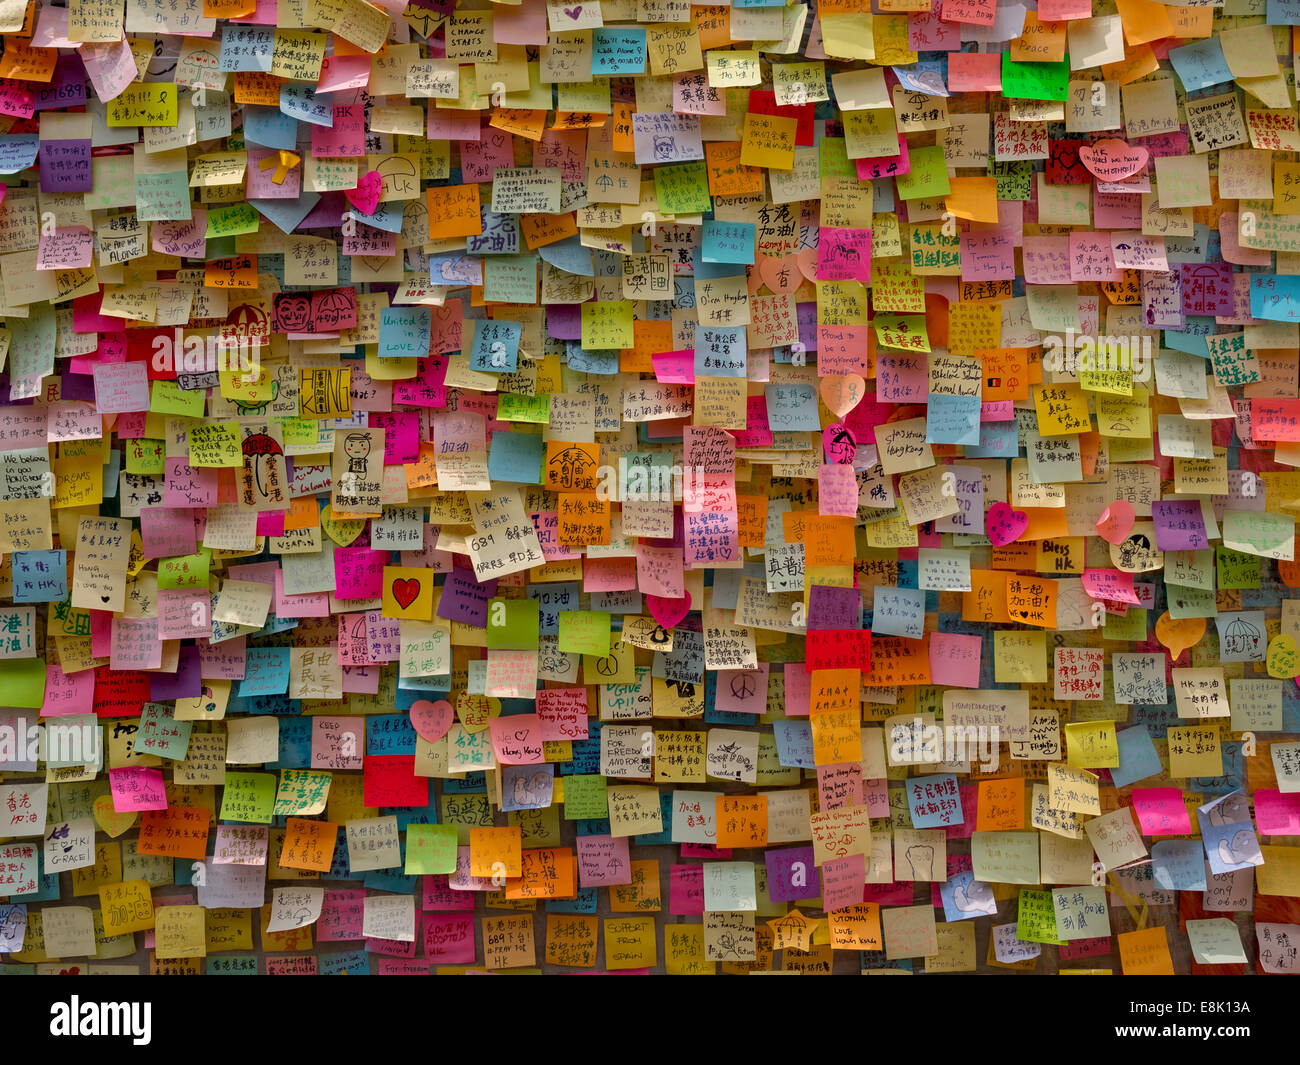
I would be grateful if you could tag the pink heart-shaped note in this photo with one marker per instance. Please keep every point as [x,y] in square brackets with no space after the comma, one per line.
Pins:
[781,275]
[807,260]
[1116,522]
[668,612]
[841,393]
[365,197]
[1112,159]
[1004,524]
[432,720]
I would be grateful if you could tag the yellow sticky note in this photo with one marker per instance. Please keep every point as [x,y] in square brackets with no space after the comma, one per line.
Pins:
[768,140]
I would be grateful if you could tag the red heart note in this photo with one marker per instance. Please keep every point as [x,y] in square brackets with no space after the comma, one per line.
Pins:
[1005,525]
[365,197]
[668,612]
[1112,159]
[405,591]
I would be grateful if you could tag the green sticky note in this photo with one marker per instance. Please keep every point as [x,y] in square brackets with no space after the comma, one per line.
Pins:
[1035,81]
[514,624]
[928,176]
[683,188]
[1036,918]
[146,457]
[585,798]
[430,849]
[1132,626]
[584,632]
[607,325]
[1236,569]
[161,734]
[300,432]
[23,682]
[1015,178]
[249,798]
[833,159]
[185,571]
[513,408]
[167,397]
[232,220]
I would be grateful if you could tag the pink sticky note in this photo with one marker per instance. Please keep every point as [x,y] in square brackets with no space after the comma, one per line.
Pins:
[603,860]
[517,739]
[798,690]
[1277,813]
[955,659]
[67,693]
[137,788]
[686,890]
[743,691]
[1160,811]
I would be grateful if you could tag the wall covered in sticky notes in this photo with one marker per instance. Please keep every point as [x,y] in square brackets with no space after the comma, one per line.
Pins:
[644,486]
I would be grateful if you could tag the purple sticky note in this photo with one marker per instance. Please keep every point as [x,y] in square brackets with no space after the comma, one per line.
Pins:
[464,599]
[67,86]
[834,608]
[187,682]
[564,321]
[1180,526]
[65,166]
[792,874]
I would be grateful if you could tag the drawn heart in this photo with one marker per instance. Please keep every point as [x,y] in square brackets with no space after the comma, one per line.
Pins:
[341,530]
[841,393]
[109,819]
[432,720]
[1112,159]
[573,12]
[1005,525]
[668,612]
[406,590]
[781,275]
[365,197]
[1116,522]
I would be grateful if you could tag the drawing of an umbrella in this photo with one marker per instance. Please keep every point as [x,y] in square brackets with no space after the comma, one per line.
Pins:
[259,445]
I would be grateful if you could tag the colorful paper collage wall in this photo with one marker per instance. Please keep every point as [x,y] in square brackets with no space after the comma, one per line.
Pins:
[631,485]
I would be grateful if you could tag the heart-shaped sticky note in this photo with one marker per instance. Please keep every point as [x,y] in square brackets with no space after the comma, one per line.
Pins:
[432,720]
[781,275]
[807,260]
[668,612]
[1283,659]
[341,530]
[1116,522]
[1004,524]
[107,818]
[842,392]
[365,197]
[475,711]
[1178,634]
[1112,159]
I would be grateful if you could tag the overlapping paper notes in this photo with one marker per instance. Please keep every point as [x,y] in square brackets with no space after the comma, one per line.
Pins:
[633,485]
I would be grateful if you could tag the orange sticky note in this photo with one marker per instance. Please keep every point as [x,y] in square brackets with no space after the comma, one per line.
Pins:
[454,211]
[1001,805]
[308,844]
[496,852]
[742,820]
[1146,952]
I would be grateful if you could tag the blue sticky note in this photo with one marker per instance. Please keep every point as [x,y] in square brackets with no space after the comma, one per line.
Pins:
[792,408]
[569,256]
[40,576]
[500,235]
[516,458]
[1137,757]
[496,346]
[953,420]
[1282,13]
[703,269]
[618,50]
[998,440]
[898,612]
[1178,865]
[303,102]
[1200,64]
[404,332]
[266,671]
[720,352]
[934,801]
[728,242]
[18,151]
[582,360]
[1275,297]
[387,216]
[286,214]
[389,734]
[963,896]
[245,48]
[269,127]
[794,743]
